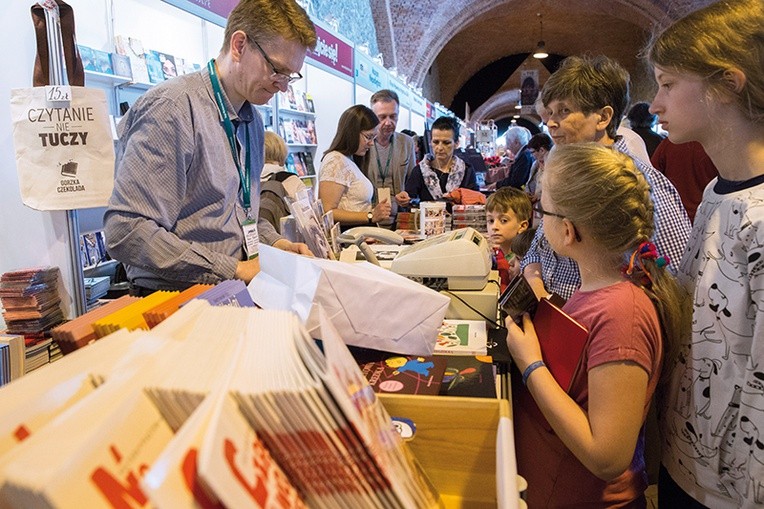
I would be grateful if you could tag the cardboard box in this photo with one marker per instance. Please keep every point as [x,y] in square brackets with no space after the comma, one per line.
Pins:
[460,443]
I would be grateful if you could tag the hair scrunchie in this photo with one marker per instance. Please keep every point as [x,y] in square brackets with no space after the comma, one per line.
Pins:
[645,251]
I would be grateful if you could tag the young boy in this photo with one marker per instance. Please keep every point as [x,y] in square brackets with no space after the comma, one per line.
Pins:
[508,212]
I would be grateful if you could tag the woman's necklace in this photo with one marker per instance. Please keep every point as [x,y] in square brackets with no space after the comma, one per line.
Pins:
[447,167]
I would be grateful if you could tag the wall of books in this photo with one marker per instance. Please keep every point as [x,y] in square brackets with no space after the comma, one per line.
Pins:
[112,35]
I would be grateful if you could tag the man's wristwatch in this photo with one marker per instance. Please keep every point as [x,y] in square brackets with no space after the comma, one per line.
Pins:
[369,215]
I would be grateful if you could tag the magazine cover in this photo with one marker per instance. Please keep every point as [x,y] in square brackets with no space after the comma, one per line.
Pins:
[154,66]
[121,65]
[88,58]
[462,337]
[469,375]
[168,64]
[103,61]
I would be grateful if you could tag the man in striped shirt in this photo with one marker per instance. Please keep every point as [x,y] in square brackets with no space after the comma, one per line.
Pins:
[186,193]
[585,100]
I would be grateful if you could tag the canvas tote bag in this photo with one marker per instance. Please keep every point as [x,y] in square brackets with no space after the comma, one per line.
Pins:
[61,134]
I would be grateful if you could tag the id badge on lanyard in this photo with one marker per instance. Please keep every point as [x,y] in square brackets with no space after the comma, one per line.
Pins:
[249,225]
[251,238]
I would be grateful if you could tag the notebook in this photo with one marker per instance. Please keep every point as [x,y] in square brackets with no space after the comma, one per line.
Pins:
[562,341]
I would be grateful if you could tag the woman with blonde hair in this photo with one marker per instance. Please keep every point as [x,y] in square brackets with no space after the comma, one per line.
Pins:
[275,155]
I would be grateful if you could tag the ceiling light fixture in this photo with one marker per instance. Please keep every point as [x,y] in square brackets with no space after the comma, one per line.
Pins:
[540,52]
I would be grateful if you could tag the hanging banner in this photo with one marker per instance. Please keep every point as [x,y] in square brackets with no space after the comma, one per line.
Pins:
[431,113]
[215,11]
[332,52]
[369,74]
[64,147]
[418,105]
[529,90]
[404,92]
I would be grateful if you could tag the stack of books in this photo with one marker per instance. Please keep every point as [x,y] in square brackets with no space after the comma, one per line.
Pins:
[161,312]
[31,301]
[32,307]
[131,317]
[145,313]
[79,332]
[217,406]
[298,132]
[296,100]
[96,287]
[473,216]
[231,292]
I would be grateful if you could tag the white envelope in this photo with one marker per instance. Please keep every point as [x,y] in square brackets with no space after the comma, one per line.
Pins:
[370,306]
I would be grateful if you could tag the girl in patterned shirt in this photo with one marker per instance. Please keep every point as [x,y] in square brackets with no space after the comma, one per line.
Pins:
[709,71]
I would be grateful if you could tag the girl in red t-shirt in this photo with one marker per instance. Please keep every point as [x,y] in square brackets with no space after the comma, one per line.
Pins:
[583,445]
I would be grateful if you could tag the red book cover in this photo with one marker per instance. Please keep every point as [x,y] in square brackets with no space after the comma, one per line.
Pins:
[562,341]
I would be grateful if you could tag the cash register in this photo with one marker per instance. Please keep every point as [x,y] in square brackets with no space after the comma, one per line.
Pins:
[461,257]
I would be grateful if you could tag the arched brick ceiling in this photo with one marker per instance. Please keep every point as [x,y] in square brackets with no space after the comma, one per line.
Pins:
[455,39]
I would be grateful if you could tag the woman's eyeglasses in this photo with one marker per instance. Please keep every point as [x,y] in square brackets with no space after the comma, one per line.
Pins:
[537,208]
[369,136]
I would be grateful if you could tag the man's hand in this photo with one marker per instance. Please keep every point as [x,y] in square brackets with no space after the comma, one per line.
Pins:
[247,270]
[293,247]
[403,199]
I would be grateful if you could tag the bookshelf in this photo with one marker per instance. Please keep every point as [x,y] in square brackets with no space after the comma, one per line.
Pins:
[296,123]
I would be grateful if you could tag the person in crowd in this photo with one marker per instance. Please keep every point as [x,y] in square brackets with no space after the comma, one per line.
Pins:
[343,186]
[508,212]
[585,99]
[276,183]
[506,157]
[275,155]
[440,173]
[185,201]
[634,142]
[642,122]
[393,155]
[539,146]
[708,68]
[522,242]
[688,167]
[582,445]
[517,142]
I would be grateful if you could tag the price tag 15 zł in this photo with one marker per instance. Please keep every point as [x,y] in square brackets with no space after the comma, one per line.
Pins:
[58,93]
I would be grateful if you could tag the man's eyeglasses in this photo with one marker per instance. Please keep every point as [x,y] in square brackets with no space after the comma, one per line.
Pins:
[537,208]
[277,76]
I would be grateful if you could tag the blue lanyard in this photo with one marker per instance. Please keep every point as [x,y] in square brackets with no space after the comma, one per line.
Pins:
[244,176]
